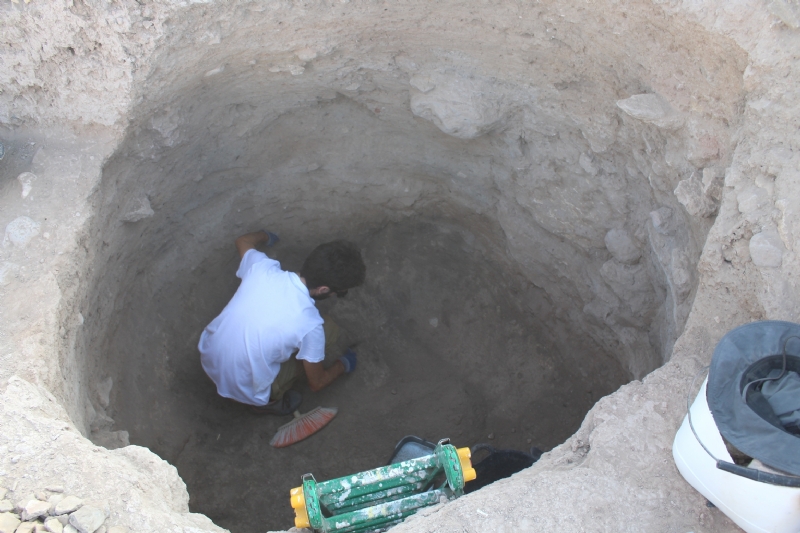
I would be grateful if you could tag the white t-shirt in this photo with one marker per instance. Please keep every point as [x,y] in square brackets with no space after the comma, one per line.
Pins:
[267,320]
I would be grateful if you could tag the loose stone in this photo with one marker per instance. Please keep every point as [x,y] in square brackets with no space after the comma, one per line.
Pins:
[34,509]
[6,506]
[54,500]
[8,522]
[54,488]
[101,529]
[64,519]
[87,519]
[22,502]
[41,495]
[68,505]
[70,529]
[26,527]
[54,525]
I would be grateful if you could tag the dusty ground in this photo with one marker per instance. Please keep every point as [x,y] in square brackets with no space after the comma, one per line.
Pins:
[631,172]
[447,346]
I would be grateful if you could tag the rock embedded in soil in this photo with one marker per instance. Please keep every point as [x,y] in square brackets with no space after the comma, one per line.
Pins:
[622,246]
[87,519]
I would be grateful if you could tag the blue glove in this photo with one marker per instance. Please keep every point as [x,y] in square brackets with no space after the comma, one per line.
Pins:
[273,239]
[349,361]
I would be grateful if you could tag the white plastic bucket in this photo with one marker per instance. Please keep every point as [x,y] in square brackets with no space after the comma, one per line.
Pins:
[754,506]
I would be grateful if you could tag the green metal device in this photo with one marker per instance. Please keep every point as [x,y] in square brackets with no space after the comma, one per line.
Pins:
[378,499]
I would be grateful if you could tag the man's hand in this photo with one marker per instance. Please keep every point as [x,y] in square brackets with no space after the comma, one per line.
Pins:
[348,361]
[251,240]
[273,239]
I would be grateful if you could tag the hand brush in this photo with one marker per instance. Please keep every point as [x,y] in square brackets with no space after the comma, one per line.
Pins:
[303,426]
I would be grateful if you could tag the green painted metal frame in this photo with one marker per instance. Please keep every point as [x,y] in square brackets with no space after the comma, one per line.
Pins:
[380,498]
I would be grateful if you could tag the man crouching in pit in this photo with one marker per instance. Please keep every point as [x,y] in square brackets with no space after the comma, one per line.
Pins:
[271,332]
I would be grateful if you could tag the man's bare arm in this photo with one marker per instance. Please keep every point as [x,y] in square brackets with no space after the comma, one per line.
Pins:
[320,377]
[250,241]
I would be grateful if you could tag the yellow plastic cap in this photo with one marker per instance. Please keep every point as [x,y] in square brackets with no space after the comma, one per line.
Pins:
[301,519]
[298,498]
[469,474]
[466,465]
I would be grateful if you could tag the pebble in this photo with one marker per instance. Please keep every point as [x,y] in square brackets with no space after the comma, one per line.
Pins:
[54,525]
[87,519]
[63,518]
[101,529]
[8,522]
[491,436]
[34,509]
[41,495]
[70,529]
[67,505]
[6,506]
[54,488]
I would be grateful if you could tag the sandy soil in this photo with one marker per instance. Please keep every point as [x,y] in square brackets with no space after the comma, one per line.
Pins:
[447,346]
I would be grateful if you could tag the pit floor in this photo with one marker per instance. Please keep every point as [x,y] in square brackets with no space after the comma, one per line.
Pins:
[447,348]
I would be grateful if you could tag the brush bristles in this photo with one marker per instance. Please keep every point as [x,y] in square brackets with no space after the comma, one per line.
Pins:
[303,426]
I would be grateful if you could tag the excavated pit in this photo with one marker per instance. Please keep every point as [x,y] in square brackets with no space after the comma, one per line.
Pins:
[454,340]
[522,261]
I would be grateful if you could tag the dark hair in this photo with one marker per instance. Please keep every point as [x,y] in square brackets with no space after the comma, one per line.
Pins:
[336,264]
